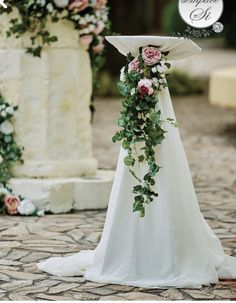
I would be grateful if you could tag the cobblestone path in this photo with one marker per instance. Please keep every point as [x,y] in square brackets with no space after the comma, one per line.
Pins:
[209,136]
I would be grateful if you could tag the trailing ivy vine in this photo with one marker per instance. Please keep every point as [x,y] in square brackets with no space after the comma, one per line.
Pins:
[140,119]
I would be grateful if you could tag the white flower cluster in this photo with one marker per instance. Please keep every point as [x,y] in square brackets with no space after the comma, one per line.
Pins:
[6,127]
[122,74]
[160,70]
[6,110]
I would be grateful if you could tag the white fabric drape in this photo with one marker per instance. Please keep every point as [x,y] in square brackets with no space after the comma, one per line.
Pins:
[171,246]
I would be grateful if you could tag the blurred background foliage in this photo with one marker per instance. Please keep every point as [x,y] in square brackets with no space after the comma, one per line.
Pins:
[157,17]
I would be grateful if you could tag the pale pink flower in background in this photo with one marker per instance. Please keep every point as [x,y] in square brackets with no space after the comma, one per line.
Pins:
[78,5]
[100,27]
[145,87]
[100,3]
[86,39]
[133,65]
[100,46]
[11,202]
[151,55]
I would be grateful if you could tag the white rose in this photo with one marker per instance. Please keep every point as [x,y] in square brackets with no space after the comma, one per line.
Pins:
[6,128]
[9,110]
[164,68]
[61,3]
[41,2]
[4,191]
[155,82]
[49,7]
[75,17]
[91,27]
[1,159]
[26,207]
[133,91]
[160,69]
[41,213]
[3,114]
[154,69]
[122,74]
[82,21]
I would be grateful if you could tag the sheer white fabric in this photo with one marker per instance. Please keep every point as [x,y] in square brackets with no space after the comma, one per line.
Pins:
[171,246]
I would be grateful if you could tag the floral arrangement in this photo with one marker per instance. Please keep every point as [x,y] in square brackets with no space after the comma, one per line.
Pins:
[10,153]
[89,17]
[142,130]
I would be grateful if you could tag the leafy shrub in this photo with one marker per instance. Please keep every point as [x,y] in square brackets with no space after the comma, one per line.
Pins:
[171,20]
[107,85]
[181,83]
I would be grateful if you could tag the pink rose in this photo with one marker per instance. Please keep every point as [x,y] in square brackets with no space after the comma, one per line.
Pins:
[78,5]
[86,39]
[145,87]
[100,3]
[100,46]
[11,202]
[151,55]
[133,65]
[100,27]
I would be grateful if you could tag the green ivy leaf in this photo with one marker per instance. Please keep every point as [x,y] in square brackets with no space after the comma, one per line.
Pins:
[141,158]
[129,161]
[125,144]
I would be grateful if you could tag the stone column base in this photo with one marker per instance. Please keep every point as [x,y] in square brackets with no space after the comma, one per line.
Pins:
[63,195]
[55,169]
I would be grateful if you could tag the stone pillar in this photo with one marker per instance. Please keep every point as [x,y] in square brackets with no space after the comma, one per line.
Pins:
[53,122]
[53,93]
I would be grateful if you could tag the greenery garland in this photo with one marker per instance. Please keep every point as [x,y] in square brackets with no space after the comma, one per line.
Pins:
[89,18]
[10,153]
[140,119]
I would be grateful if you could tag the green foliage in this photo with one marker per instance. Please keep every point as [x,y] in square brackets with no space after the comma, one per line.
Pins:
[181,83]
[10,151]
[171,20]
[107,85]
[141,127]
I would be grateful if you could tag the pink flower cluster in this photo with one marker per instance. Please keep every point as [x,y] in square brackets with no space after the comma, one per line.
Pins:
[91,26]
[133,65]
[151,55]
[100,3]
[78,5]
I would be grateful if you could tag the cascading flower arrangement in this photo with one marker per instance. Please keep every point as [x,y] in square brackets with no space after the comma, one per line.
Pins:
[141,121]
[11,153]
[89,18]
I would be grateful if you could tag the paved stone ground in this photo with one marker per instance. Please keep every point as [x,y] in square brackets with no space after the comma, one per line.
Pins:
[209,136]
